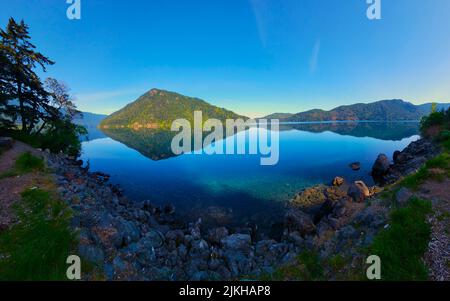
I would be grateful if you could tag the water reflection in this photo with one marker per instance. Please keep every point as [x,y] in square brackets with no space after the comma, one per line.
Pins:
[156,144]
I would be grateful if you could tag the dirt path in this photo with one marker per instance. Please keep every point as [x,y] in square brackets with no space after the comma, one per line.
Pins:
[438,254]
[12,187]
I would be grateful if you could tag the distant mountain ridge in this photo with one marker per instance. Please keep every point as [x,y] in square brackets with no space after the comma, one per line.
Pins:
[91,122]
[159,108]
[384,110]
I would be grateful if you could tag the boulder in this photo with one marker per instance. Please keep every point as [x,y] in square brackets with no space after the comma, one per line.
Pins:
[358,191]
[237,242]
[153,239]
[355,166]
[128,230]
[91,253]
[326,209]
[310,200]
[396,156]
[381,165]
[217,234]
[363,188]
[6,142]
[403,196]
[338,181]
[297,220]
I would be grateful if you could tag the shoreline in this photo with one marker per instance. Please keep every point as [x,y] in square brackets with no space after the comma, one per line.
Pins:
[138,241]
[154,235]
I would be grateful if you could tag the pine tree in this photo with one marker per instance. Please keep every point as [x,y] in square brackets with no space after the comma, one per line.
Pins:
[22,94]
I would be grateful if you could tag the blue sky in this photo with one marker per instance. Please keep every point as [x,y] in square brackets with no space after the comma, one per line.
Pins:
[251,56]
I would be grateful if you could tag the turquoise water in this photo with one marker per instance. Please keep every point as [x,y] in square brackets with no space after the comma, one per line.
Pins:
[228,189]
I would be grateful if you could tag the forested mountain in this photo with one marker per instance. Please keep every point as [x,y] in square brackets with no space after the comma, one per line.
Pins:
[159,108]
[384,110]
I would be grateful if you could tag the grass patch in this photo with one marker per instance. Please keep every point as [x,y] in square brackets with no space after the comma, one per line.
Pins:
[337,262]
[402,245]
[25,163]
[308,267]
[36,248]
[440,162]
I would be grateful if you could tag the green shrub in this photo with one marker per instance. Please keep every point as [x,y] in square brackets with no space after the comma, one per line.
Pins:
[441,162]
[37,247]
[308,266]
[402,245]
[26,162]
[63,137]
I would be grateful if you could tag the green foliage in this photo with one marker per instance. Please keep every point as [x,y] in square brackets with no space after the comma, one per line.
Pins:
[63,137]
[433,107]
[23,97]
[26,162]
[337,262]
[402,245]
[158,108]
[385,110]
[307,267]
[436,125]
[36,248]
[38,114]
[440,162]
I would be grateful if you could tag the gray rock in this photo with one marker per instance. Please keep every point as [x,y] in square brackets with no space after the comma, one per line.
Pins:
[109,271]
[200,276]
[355,166]
[6,142]
[217,234]
[296,238]
[182,251]
[175,235]
[91,253]
[241,242]
[214,264]
[381,165]
[347,232]
[119,265]
[358,191]
[297,220]
[129,230]
[338,181]
[153,239]
[262,247]
[403,196]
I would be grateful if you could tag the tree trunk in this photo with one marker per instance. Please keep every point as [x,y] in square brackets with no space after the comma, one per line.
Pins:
[22,109]
[42,127]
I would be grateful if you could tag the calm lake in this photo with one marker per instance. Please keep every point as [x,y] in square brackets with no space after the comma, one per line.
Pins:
[235,189]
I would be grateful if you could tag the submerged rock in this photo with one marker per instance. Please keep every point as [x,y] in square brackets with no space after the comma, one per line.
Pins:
[338,181]
[310,199]
[355,166]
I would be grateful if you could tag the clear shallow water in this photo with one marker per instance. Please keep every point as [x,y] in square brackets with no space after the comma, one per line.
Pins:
[234,189]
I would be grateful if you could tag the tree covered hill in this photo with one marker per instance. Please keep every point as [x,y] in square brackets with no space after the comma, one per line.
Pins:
[384,110]
[159,108]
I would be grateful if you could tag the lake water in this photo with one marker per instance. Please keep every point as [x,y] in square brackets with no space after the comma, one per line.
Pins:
[235,189]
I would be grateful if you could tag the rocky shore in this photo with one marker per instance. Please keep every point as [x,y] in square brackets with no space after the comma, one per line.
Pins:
[138,241]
